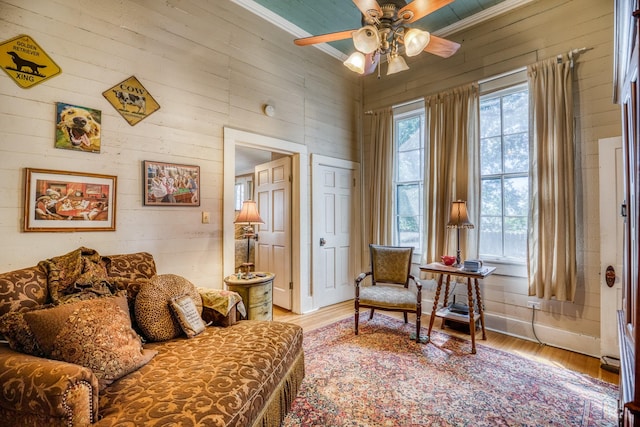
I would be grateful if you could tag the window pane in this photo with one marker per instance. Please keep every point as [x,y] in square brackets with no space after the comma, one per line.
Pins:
[490,156]
[491,236]
[408,134]
[516,153]
[515,237]
[491,200]
[408,203]
[515,109]
[504,170]
[516,196]
[409,237]
[490,118]
[409,168]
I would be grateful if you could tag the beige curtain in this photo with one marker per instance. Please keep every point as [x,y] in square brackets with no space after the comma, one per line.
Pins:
[451,169]
[380,180]
[552,234]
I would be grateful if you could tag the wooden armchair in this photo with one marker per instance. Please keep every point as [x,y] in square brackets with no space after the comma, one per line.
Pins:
[389,290]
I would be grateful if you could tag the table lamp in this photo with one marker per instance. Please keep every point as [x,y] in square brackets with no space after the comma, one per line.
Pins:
[459,219]
[248,215]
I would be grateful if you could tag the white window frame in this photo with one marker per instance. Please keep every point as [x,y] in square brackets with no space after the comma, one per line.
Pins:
[401,112]
[500,86]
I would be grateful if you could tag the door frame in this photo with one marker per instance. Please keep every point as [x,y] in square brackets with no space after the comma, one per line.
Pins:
[356,238]
[302,300]
[608,174]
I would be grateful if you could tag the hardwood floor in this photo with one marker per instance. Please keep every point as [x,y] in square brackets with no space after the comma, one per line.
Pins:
[541,353]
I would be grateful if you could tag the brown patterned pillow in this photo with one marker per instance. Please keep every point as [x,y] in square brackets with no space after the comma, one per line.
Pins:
[153,315]
[186,313]
[94,333]
[22,289]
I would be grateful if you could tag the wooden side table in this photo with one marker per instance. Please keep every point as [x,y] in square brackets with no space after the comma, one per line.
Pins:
[256,293]
[444,312]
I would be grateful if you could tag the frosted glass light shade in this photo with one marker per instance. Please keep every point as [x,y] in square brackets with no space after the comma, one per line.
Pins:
[396,64]
[366,39]
[415,41]
[355,62]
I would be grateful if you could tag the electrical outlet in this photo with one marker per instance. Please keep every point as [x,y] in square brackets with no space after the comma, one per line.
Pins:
[533,304]
[205,217]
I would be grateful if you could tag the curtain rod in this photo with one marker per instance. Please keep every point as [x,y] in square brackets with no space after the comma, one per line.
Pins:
[570,54]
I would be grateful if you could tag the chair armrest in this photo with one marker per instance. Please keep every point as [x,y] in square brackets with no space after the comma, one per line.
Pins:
[416,281]
[38,388]
[361,277]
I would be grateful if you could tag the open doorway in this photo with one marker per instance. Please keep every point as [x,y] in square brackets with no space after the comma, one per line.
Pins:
[302,300]
[265,178]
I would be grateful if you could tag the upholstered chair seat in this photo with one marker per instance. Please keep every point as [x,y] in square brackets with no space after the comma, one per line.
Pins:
[389,289]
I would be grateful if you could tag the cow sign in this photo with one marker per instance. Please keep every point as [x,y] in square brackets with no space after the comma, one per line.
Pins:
[25,62]
[131,100]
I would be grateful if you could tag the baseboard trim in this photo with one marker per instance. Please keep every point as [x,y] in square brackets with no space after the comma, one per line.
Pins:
[522,329]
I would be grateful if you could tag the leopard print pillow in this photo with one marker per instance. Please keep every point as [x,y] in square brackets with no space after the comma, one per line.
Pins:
[152,306]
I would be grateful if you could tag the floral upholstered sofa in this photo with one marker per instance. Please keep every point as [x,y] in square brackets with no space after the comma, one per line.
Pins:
[105,341]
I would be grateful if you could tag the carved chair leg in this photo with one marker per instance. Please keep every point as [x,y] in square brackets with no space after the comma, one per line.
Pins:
[406,320]
[371,314]
[357,318]
[418,316]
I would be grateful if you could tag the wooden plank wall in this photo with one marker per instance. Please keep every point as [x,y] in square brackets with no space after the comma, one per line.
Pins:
[209,64]
[539,30]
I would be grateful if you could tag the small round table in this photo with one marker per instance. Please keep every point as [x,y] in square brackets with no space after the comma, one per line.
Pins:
[256,292]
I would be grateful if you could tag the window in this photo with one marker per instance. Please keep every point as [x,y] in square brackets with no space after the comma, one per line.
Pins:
[408,176]
[504,174]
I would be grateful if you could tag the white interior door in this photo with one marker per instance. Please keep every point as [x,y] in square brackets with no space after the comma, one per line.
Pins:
[611,243]
[335,229]
[273,247]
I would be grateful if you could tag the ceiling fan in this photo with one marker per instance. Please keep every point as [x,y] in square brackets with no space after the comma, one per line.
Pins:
[384,29]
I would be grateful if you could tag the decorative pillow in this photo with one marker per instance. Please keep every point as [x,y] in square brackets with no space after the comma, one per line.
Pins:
[95,333]
[153,315]
[23,289]
[186,313]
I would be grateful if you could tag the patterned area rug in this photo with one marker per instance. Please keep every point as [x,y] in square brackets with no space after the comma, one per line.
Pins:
[380,378]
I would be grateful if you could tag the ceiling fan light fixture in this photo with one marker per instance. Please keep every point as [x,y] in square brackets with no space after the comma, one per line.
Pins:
[415,41]
[355,62]
[396,64]
[366,39]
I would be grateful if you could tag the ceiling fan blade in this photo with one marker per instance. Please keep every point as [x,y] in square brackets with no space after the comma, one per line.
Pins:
[324,38]
[420,9]
[366,6]
[441,47]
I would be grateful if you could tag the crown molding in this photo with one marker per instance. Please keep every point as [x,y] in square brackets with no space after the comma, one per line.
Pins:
[492,12]
[289,27]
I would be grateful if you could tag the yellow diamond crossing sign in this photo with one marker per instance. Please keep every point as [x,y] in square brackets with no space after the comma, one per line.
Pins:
[25,61]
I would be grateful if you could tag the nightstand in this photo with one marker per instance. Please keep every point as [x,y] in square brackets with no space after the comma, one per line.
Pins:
[256,293]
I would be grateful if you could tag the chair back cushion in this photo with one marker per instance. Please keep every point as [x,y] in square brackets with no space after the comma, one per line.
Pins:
[391,264]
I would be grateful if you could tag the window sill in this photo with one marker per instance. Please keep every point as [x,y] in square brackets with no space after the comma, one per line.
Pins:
[507,268]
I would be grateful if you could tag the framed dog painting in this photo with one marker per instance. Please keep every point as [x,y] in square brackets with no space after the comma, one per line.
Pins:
[78,128]
[69,201]
[170,184]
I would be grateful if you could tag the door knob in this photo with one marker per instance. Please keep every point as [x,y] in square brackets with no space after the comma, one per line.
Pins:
[322,241]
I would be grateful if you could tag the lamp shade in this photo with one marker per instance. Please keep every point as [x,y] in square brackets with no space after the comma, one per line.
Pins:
[366,39]
[459,217]
[248,214]
[415,41]
[396,64]
[355,62]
